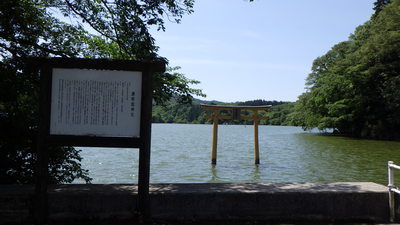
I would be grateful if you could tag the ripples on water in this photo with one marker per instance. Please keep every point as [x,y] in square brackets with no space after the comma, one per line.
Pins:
[181,154]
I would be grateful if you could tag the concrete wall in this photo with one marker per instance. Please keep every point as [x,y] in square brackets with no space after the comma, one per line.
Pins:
[275,202]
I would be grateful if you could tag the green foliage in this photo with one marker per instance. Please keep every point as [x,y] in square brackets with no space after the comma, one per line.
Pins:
[354,88]
[121,29]
[178,113]
[379,4]
[71,28]
[94,29]
[174,84]
[259,102]
[278,114]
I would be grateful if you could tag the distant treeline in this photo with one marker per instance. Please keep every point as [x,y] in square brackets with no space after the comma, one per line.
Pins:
[194,114]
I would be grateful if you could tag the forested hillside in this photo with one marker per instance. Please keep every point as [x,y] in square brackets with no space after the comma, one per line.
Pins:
[355,87]
[180,113]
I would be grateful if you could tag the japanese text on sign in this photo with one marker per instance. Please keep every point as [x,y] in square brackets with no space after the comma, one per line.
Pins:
[95,103]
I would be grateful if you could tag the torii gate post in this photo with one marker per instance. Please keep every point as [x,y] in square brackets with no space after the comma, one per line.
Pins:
[256,147]
[215,137]
[235,115]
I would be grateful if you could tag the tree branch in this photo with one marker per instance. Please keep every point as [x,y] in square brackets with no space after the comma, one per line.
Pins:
[88,21]
[118,40]
[35,45]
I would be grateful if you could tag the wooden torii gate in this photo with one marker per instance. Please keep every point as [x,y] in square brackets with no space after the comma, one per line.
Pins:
[235,115]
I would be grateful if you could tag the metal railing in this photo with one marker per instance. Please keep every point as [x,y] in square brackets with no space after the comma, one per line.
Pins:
[392,189]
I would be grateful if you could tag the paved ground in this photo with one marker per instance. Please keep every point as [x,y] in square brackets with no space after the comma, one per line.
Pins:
[182,188]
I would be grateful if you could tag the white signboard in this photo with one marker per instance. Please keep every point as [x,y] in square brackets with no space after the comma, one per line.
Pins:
[104,103]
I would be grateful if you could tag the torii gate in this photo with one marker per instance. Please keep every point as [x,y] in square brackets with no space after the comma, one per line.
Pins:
[235,115]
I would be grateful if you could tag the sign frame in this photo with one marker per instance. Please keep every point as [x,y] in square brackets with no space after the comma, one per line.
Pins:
[45,139]
[147,69]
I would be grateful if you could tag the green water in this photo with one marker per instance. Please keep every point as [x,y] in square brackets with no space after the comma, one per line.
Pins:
[181,154]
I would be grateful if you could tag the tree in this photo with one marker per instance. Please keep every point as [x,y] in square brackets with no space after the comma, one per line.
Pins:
[71,28]
[354,88]
[378,5]
[93,29]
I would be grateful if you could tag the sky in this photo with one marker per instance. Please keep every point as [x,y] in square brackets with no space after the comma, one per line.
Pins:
[260,50]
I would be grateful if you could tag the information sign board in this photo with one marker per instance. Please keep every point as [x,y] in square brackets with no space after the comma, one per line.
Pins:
[103,103]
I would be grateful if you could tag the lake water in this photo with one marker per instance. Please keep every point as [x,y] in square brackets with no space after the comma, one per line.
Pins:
[181,154]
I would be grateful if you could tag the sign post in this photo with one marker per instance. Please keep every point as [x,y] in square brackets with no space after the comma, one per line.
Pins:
[95,103]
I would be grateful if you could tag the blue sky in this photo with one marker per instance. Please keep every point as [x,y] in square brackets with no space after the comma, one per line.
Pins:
[261,50]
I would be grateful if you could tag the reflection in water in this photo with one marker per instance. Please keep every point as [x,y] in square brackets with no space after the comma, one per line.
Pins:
[256,173]
[214,177]
[181,154]
[345,159]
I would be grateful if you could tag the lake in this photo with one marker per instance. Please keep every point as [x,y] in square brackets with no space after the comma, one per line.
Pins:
[181,154]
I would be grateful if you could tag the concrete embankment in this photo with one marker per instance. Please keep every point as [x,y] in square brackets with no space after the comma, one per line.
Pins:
[274,202]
